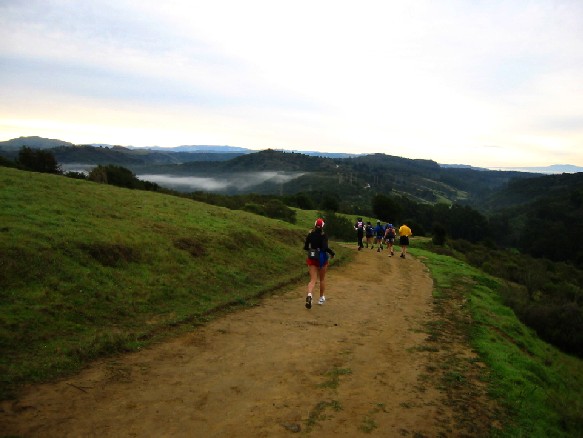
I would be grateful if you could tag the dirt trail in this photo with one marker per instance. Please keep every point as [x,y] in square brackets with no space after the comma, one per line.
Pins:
[352,367]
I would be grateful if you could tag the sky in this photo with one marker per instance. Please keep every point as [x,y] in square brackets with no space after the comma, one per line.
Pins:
[488,83]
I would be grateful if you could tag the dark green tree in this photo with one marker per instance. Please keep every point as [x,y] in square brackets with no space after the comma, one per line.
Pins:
[276,209]
[303,201]
[330,203]
[439,234]
[337,227]
[386,208]
[37,160]
[121,177]
[5,162]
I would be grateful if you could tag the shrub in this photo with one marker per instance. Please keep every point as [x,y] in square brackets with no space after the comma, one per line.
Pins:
[385,207]
[5,162]
[251,207]
[276,209]
[76,175]
[338,227]
[330,203]
[559,324]
[114,175]
[37,160]
[301,201]
[439,234]
[478,258]
[547,296]
[121,177]
[273,208]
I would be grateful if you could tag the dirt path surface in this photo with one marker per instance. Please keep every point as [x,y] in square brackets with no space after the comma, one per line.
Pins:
[352,367]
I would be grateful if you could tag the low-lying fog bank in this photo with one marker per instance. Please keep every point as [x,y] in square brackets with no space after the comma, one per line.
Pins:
[223,183]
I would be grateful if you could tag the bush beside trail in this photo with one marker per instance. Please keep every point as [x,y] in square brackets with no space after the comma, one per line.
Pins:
[547,296]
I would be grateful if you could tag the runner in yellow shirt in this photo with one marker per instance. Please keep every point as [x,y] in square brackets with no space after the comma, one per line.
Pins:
[404,233]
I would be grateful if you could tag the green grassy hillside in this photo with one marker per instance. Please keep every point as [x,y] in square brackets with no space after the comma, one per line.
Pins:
[88,270]
[537,386]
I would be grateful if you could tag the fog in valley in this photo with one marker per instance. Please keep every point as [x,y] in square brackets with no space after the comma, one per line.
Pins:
[233,182]
[228,182]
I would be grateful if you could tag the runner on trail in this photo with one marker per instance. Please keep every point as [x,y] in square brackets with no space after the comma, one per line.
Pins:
[368,231]
[359,227]
[317,246]
[404,233]
[390,238]
[379,232]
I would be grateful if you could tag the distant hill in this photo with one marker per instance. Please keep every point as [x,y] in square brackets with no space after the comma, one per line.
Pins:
[277,160]
[32,142]
[555,168]
[519,192]
[86,155]
[462,166]
[353,179]
[541,216]
[133,157]
[197,149]
[46,143]
[188,153]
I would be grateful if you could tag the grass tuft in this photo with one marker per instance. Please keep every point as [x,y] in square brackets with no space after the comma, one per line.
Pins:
[334,377]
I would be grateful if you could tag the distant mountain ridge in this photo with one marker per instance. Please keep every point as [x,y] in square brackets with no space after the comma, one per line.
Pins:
[353,178]
[36,142]
[33,142]
[551,205]
[196,148]
[553,168]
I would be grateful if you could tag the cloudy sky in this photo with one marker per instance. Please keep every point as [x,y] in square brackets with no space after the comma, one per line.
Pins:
[487,83]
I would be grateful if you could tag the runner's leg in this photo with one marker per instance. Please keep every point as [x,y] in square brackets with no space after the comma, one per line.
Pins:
[313,278]
[323,280]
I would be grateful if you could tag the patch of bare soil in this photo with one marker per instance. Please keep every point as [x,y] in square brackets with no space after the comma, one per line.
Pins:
[363,364]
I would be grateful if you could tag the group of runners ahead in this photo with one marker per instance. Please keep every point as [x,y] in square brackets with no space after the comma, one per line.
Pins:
[381,235]
[319,253]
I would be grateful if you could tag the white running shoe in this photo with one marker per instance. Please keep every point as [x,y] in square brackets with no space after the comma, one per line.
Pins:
[322,300]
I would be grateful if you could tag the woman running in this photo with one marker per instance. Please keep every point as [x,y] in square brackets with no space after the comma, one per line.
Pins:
[317,246]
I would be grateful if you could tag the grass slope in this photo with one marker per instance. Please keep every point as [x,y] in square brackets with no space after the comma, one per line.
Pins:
[538,386]
[88,270]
